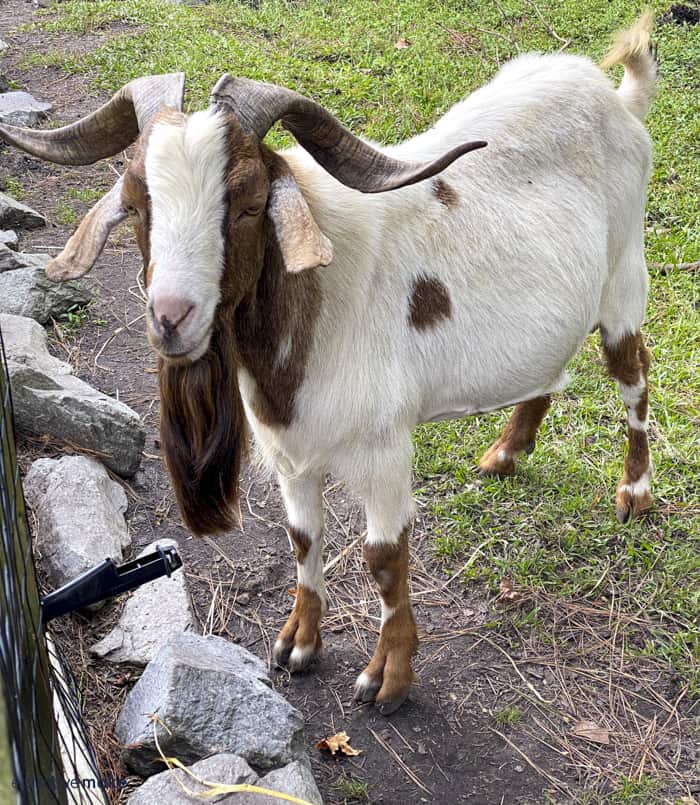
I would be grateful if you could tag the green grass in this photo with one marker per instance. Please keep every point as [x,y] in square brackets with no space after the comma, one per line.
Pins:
[13,187]
[351,789]
[509,716]
[553,525]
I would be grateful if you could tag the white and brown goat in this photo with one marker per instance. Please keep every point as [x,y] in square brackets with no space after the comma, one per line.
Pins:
[289,294]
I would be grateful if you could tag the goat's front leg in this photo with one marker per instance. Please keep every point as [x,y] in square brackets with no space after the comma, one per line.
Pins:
[388,677]
[300,639]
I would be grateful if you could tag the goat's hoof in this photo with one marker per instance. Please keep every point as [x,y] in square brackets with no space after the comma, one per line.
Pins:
[295,658]
[366,687]
[388,695]
[497,462]
[390,704]
[632,500]
[530,448]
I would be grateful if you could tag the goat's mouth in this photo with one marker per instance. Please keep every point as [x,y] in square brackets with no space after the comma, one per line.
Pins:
[177,351]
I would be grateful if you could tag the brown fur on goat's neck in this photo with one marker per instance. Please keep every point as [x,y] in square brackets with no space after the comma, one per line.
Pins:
[203,434]
[279,307]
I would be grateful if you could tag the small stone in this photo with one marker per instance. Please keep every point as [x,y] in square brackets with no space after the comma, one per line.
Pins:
[29,292]
[243,599]
[14,214]
[80,515]
[3,47]
[520,769]
[152,616]
[9,239]
[213,696]
[19,108]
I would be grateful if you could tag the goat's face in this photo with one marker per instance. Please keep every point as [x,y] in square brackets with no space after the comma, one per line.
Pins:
[196,192]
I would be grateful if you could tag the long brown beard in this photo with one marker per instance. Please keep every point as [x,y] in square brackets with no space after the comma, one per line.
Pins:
[203,435]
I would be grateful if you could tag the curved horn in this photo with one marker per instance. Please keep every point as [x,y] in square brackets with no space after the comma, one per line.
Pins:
[107,131]
[352,161]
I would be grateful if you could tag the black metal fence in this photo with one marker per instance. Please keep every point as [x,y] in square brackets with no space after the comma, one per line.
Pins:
[45,757]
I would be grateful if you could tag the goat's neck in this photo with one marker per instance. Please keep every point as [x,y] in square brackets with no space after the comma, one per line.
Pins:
[274,326]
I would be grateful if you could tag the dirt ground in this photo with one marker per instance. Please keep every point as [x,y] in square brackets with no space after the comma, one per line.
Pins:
[448,744]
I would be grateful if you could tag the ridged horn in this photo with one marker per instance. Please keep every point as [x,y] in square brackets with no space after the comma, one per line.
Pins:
[107,131]
[355,163]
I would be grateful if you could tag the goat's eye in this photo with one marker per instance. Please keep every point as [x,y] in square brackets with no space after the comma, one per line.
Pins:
[131,209]
[251,211]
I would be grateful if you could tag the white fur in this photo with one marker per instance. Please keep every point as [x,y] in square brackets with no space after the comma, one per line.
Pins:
[638,487]
[631,395]
[185,167]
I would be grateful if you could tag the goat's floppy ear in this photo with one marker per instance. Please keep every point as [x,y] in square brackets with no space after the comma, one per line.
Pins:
[86,243]
[301,242]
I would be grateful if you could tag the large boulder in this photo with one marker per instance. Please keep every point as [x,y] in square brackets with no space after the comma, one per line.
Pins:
[29,292]
[22,109]
[79,511]
[48,399]
[213,696]
[15,215]
[294,779]
[153,615]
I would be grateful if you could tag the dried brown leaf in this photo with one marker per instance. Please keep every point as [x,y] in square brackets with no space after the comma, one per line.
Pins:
[402,44]
[590,731]
[340,742]
[509,593]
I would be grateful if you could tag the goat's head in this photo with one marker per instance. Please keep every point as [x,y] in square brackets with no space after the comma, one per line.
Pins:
[208,200]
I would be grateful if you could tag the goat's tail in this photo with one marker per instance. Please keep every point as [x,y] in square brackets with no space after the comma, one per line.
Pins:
[634,50]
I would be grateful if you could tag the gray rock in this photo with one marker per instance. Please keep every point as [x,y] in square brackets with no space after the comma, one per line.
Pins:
[15,215]
[152,616]
[9,239]
[29,292]
[10,260]
[80,515]
[48,399]
[22,109]
[295,779]
[3,47]
[26,345]
[214,696]
[223,768]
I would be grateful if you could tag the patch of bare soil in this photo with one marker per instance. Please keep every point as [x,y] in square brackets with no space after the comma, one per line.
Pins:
[497,715]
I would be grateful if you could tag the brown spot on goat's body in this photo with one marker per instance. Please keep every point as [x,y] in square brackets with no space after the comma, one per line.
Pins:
[429,303]
[445,194]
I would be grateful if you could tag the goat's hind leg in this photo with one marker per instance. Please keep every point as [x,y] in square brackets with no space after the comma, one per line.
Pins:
[300,639]
[518,437]
[628,364]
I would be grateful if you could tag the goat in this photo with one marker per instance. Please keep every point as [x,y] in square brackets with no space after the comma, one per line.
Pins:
[329,322]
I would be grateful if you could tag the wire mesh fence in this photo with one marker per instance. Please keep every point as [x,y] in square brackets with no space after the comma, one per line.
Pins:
[45,757]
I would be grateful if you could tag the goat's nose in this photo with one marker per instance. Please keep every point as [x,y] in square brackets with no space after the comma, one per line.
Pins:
[169,312]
